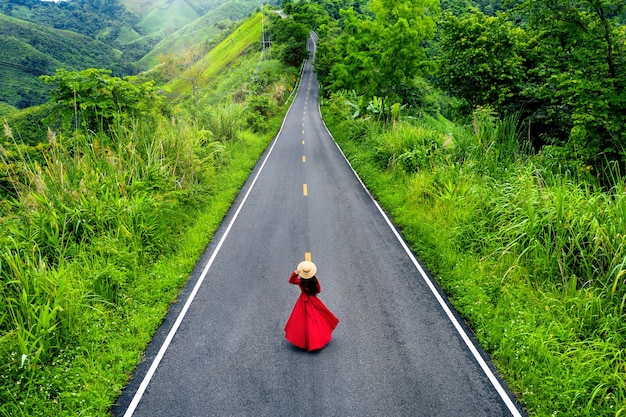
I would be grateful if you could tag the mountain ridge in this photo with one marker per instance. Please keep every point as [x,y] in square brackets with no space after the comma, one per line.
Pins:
[132,43]
[30,49]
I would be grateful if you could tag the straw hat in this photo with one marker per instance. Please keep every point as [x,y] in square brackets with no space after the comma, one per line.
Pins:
[307,269]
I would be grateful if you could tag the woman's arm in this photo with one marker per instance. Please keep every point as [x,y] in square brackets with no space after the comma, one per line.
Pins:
[294,278]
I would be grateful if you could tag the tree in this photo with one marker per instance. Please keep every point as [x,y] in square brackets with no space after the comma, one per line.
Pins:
[354,60]
[292,36]
[578,74]
[481,59]
[312,15]
[382,53]
[401,27]
[96,100]
[194,66]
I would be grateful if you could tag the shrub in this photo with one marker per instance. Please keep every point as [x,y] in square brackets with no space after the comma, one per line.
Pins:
[223,120]
[92,99]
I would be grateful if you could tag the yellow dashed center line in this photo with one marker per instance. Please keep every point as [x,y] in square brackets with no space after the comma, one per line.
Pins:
[305,191]
[307,256]
[303,158]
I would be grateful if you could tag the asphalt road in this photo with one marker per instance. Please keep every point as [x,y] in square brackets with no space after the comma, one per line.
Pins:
[399,349]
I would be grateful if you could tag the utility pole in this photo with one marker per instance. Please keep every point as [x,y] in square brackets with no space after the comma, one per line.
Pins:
[263,30]
[265,37]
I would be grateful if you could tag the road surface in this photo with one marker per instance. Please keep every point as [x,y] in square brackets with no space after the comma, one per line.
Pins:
[399,349]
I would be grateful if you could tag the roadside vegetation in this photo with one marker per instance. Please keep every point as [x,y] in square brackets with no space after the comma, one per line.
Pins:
[494,140]
[532,259]
[106,211]
[502,163]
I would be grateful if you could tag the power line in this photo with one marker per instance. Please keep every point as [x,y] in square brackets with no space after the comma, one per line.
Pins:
[22,68]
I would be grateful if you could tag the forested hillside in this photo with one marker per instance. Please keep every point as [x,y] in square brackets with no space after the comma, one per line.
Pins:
[124,37]
[30,50]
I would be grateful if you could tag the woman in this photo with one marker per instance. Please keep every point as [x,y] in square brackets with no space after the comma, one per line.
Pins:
[311,323]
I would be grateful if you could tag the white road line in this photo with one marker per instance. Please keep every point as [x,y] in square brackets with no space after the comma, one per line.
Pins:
[157,360]
[492,378]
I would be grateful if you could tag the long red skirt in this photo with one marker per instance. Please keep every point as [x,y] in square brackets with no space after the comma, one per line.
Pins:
[311,323]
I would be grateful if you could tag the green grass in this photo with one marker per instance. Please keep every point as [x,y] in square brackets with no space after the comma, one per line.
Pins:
[101,230]
[222,56]
[532,260]
[82,319]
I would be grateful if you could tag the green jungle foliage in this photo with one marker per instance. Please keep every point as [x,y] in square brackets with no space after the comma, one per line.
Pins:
[123,38]
[289,38]
[94,100]
[105,216]
[562,65]
[514,198]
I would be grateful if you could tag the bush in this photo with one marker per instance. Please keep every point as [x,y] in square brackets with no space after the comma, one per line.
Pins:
[224,121]
[93,100]
[259,108]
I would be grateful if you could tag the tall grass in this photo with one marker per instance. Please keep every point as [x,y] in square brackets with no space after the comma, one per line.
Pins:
[98,200]
[567,232]
[100,230]
[90,220]
[223,121]
[33,307]
[532,257]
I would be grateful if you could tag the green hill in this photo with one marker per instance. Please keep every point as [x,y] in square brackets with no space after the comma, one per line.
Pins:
[123,36]
[163,18]
[143,8]
[218,59]
[200,30]
[29,50]
[167,16]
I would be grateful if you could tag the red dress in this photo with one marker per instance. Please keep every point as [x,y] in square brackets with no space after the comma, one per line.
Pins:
[311,323]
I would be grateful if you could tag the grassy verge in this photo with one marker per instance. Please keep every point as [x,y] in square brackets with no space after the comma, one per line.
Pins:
[101,230]
[531,259]
[110,293]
